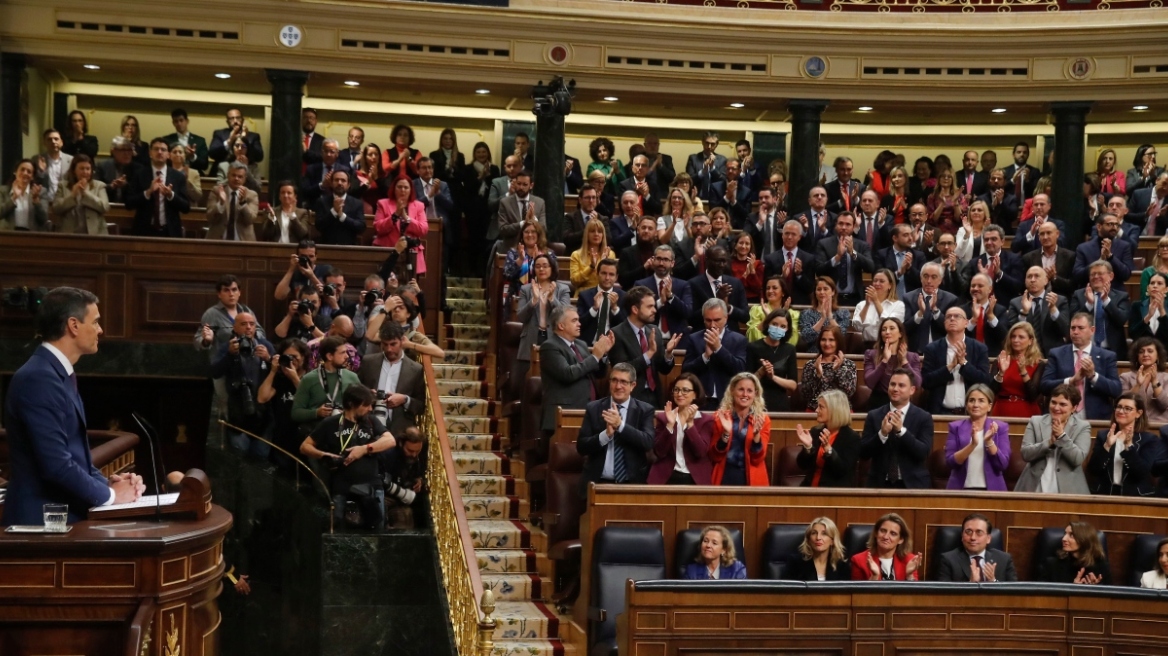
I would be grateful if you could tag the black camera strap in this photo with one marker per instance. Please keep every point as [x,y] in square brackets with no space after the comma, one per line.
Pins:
[330,396]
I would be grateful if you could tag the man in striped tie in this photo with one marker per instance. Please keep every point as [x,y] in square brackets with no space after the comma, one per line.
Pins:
[617,433]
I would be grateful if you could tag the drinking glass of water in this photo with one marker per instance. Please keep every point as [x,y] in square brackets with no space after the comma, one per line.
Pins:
[56,517]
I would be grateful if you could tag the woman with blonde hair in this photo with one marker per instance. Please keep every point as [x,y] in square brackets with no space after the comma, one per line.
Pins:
[1017,373]
[946,205]
[593,249]
[831,448]
[685,183]
[716,558]
[821,556]
[1112,182]
[742,431]
[969,235]
[896,201]
[1159,265]
[889,555]
[675,225]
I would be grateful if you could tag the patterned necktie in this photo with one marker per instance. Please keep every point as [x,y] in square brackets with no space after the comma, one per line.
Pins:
[1079,355]
[231,217]
[158,207]
[1100,324]
[791,269]
[619,472]
[650,375]
[846,197]
[661,294]
[1018,188]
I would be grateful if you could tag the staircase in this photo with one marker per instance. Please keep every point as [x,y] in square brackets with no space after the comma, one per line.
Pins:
[512,554]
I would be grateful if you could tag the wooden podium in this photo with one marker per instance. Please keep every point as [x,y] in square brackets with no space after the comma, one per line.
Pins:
[116,586]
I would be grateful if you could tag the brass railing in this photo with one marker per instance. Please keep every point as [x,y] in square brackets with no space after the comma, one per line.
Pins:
[470,607]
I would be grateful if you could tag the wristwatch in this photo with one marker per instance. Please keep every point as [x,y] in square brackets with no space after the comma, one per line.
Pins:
[368,449]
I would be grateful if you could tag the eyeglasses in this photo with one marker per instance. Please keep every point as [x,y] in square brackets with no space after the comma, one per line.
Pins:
[683,390]
[619,381]
[1125,408]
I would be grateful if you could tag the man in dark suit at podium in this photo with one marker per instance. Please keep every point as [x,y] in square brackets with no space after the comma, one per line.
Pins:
[47,440]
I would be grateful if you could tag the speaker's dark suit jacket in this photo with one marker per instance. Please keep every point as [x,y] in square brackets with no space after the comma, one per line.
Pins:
[804,282]
[935,374]
[1022,245]
[835,196]
[342,231]
[812,234]
[909,450]
[981,181]
[411,382]
[1006,212]
[627,348]
[635,440]
[679,307]
[138,182]
[829,248]
[567,382]
[954,566]
[703,178]
[49,455]
[702,291]
[1064,268]
[918,332]
[1060,365]
[1141,203]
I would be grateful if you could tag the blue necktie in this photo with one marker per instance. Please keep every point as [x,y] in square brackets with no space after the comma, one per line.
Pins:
[619,473]
[900,290]
[1100,324]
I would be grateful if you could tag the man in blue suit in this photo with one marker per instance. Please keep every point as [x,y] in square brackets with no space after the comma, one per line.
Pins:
[590,303]
[674,297]
[1026,238]
[1105,246]
[714,355]
[1085,365]
[47,440]
[318,177]
[898,437]
[434,195]
[953,364]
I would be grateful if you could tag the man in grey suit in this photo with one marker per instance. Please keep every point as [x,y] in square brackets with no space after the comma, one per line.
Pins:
[399,382]
[1045,311]
[976,561]
[567,365]
[616,435]
[1058,262]
[52,164]
[500,189]
[639,343]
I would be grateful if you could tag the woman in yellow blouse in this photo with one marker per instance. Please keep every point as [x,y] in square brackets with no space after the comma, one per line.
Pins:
[593,249]
[775,295]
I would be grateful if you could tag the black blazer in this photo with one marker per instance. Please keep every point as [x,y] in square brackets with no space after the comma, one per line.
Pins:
[981,181]
[804,282]
[742,205]
[803,569]
[310,191]
[918,332]
[1012,280]
[1006,212]
[1064,570]
[1116,312]
[627,348]
[1145,450]
[1064,268]
[636,440]
[218,148]
[910,450]
[835,195]
[811,232]
[935,374]
[785,363]
[440,171]
[839,469]
[312,154]
[1051,333]
[1028,184]
[138,181]
[589,323]
[1137,327]
[995,336]
[826,249]
[702,291]
[344,231]
[679,307]
[630,265]
[650,206]
[954,566]
[883,236]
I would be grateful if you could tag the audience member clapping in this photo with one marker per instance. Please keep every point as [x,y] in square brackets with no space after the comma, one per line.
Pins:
[1148,377]
[537,301]
[179,162]
[1157,577]
[1017,374]
[21,205]
[239,156]
[1080,559]
[773,360]
[897,438]
[1148,317]
[742,431]
[517,265]
[715,354]
[977,450]
[952,364]
[880,302]
[831,448]
[830,370]
[585,260]
[823,315]
[1121,463]
[975,560]
[889,554]
[400,160]
[890,353]
[776,296]
[285,223]
[81,201]
[1054,447]
[683,434]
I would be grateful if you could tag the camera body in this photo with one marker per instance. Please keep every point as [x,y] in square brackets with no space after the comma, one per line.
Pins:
[306,307]
[380,410]
[402,492]
[285,360]
[370,298]
[329,290]
[247,347]
[304,262]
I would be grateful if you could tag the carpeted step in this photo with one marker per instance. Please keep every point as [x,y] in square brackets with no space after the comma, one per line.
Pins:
[487,486]
[479,318]
[469,372]
[478,425]
[468,293]
[506,560]
[532,648]
[478,442]
[468,331]
[493,507]
[481,463]
[499,534]
[467,344]
[461,281]
[514,586]
[525,620]
[453,356]
[460,407]
[465,388]
[473,304]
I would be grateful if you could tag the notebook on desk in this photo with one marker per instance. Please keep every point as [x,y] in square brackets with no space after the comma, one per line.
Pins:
[145,501]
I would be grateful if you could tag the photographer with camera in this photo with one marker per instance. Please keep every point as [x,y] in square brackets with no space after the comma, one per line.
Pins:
[344,443]
[243,363]
[402,215]
[279,390]
[404,473]
[332,295]
[216,329]
[320,390]
[400,382]
[342,327]
[402,310]
[369,306]
[302,320]
[303,271]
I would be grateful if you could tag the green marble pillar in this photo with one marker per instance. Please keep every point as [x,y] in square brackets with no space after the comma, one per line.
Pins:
[285,148]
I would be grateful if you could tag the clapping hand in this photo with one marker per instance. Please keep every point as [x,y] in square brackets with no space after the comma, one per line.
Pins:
[1057,426]
[713,342]
[612,419]
[726,422]
[1003,361]
[804,436]
[1088,578]
[914,563]
[1105,249]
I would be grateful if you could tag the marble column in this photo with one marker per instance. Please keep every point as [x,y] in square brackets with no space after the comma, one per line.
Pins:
[11,135]
[549,171]
[803,169]
[1070,121]
[285,148]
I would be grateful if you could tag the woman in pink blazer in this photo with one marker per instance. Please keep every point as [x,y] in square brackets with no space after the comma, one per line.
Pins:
[398,210]
[989,453]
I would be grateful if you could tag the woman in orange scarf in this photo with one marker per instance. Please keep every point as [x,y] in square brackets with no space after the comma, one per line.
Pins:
[830,449]
[742,431]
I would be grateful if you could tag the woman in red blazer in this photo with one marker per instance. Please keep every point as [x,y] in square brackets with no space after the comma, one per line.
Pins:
[398,210]
[889,555]
[682,442]
[742,431]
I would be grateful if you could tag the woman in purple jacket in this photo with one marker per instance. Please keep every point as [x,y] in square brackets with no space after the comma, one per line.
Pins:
[978,449]
[683,437]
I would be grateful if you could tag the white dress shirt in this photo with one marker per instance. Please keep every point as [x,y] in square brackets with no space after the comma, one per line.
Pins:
[679,446]
[608,473]
[975,464]
[955,389]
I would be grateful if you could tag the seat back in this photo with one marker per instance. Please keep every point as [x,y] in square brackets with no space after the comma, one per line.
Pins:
[531,420]
[1014,469]
[620,553]
[856,538]
[1142,557]
[860,397]
[508,349]
[685,550]
[787,471]
[1050,540]
[948,538]
[563,492]
[938,469]
[779,542]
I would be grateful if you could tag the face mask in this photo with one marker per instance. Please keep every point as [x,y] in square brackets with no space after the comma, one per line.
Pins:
[776,333]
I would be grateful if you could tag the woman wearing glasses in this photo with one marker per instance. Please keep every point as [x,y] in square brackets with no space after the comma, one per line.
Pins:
[682,442]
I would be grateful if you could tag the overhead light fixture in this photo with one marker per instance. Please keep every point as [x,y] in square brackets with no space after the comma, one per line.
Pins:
[865,108]
[352,83]
[611,99]
[999,110]
[223,76]
[1140,108]
[93,67]
[483,92]
[737,105]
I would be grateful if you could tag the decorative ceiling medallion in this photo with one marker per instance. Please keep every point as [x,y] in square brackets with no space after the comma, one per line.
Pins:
[814,67]
[557,54]
[1080,68]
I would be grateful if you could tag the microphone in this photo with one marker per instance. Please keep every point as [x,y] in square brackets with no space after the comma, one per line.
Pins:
[151,436]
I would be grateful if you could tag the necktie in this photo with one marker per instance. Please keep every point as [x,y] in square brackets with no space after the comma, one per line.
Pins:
[1100,324]
[522,211]
[603,316]
[979,332]
[770,236]
[1079,355]
[650,375]
[1018,188]
[929,315]
[893,474]
[429,200]
[661,294]
[717,283]
[307,140]
[846,197]
[591,386]
[1153,212]
[870,232]
[791,269]
[231,217]
[900,290]
[968,182]
[619,473]
[977,566]
[158,207]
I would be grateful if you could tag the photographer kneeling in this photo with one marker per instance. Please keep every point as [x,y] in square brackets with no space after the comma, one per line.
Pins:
[404,468]
[244,362]
[343,443]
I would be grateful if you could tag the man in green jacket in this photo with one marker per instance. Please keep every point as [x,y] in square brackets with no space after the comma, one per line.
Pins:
[319,394]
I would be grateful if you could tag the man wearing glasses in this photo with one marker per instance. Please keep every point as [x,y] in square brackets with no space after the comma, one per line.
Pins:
[616,434]
[673,295]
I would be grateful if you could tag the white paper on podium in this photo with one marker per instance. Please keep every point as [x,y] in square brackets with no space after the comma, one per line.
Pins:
[145,501]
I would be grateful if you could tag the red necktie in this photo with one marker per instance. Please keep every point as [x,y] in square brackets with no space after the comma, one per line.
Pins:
[791,269]
[1018,188]
[846,195]
[157,198]
[661,294]
[980,331]
[968,183]
[307,140]
[649,374]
